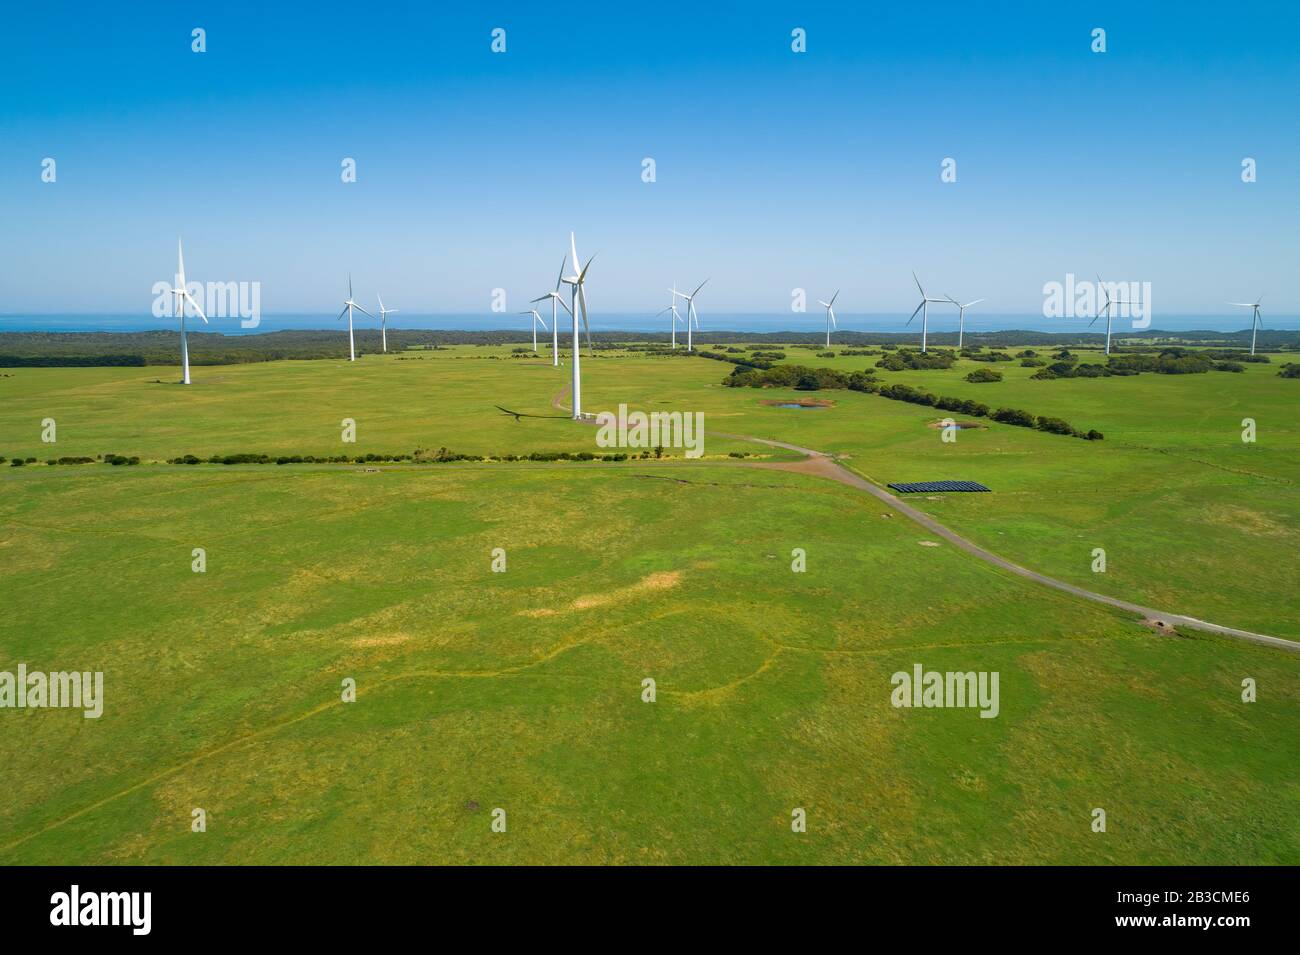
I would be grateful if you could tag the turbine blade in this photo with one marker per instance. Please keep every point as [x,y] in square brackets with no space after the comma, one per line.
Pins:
[342,313]
[976,302]
[918,284]
[190,298]
[180,263]
[698,287]
[573,248]
[583,274]
[361,310]
[582,303]
[835,296]
[916,313]
[560,278]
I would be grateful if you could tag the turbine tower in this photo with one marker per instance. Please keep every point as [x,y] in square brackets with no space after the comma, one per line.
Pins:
[830,315]
[692,317]
[536,318]
[383,321]
[578,298]
[1255,323]
[182,296]
[348,306]
[556,299]
[924,309]
[961,317]
[672,307]
[1108,310]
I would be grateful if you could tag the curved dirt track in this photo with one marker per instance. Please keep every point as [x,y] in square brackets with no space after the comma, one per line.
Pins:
[820,464]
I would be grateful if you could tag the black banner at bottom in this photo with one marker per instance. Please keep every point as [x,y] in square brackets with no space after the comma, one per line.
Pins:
[141,905]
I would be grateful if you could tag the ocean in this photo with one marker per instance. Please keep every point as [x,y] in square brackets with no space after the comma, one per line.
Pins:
[940,321]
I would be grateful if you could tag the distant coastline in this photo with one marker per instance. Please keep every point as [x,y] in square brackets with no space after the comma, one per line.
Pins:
[159,346]
[756,323]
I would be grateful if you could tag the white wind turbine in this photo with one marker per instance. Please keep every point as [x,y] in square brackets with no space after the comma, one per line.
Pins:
[924,309]
[182,296]
[1255,323]
[961,317]
[1108,310]
[536,318]
[556,299]
[578,298]
[348,306]
[383,321]
[830,315]
[672,307]
[692,317]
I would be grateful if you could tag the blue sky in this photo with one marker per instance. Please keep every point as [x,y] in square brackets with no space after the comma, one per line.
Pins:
[774,170]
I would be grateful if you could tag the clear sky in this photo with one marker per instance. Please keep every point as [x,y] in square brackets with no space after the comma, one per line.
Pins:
[775,170]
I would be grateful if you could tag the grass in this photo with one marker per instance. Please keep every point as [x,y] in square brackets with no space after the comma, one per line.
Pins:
[521,689]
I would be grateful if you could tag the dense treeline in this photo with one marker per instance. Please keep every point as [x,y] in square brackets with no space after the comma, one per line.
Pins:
[812,379]
[419,456]
[64,361]
[1166,361]
[799,377]
[161,347]
[905,359]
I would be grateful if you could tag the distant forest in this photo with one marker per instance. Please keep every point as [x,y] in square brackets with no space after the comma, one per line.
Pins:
[39,349]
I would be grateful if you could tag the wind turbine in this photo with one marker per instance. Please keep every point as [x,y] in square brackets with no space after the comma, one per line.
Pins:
[556,299]
[961,317]
[1255,323]
[1108,310]
[383,321]
[536,318]
[672,307]
[578,298]
[924,309]
[692,317]
[182,296]
[830,315]
[348,306]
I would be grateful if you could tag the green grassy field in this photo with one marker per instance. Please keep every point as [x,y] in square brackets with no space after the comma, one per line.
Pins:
[522,690]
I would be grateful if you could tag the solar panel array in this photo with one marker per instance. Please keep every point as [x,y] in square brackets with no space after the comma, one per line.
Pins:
[933,487]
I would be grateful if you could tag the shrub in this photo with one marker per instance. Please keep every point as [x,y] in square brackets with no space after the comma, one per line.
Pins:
[1054,425]
[1022,419]
[905,359]
[984,374]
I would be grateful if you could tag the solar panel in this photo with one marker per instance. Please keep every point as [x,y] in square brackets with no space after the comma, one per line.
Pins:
[932,487]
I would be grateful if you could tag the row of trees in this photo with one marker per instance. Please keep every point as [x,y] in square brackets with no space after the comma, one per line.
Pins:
[802,378]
